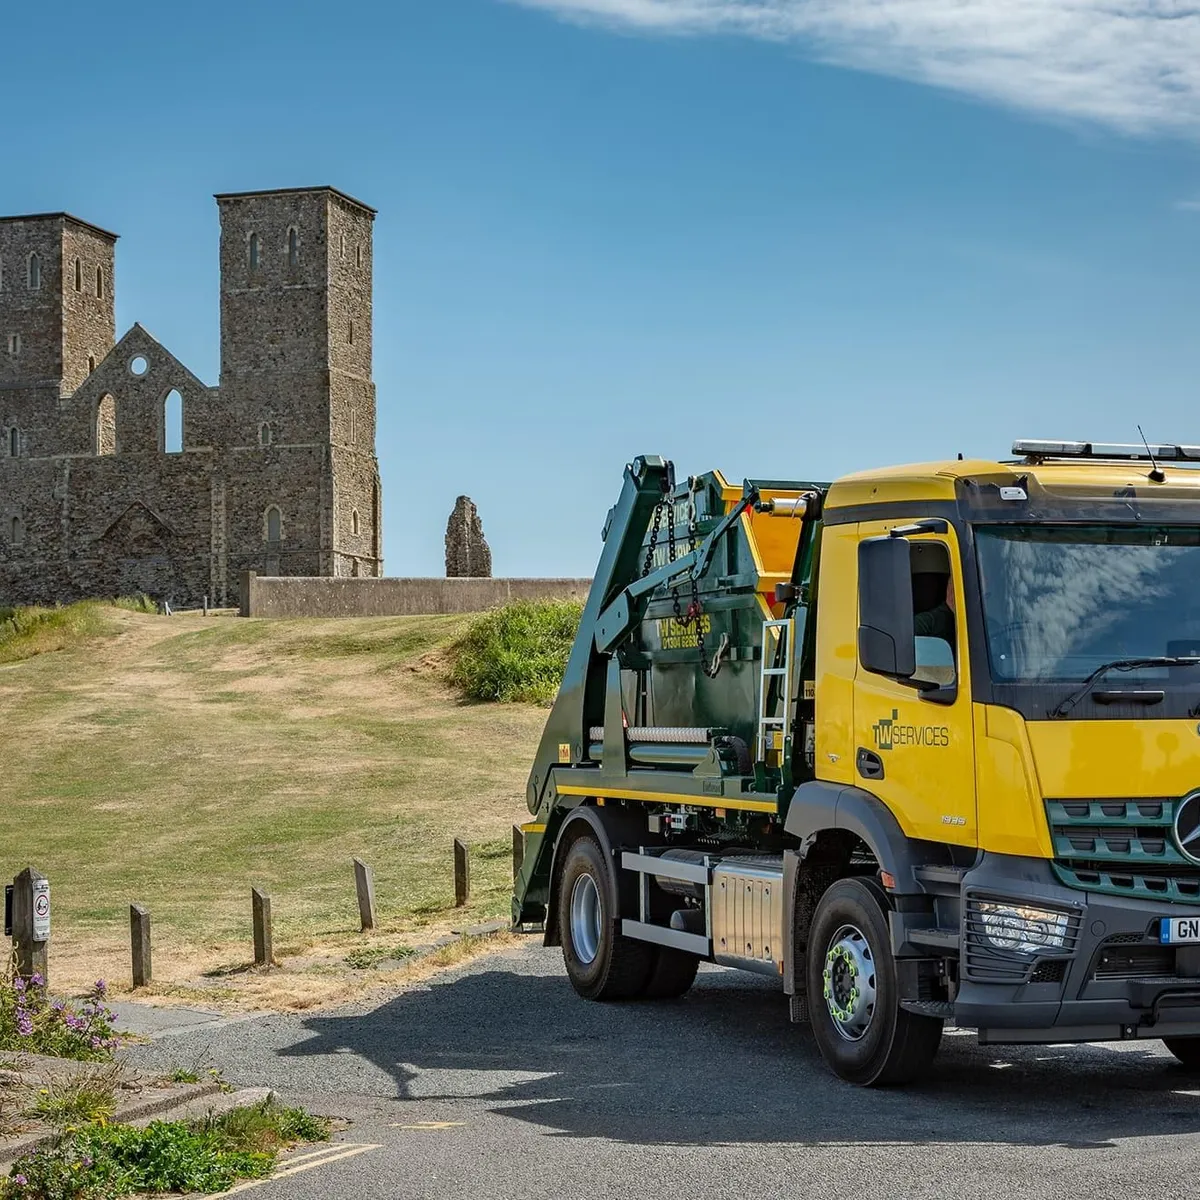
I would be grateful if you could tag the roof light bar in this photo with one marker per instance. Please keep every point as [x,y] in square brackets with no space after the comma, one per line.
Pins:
[1109,450]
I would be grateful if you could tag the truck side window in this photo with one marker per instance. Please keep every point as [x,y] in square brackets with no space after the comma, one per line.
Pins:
[933,592]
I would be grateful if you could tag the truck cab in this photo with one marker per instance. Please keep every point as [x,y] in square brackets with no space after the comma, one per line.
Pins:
[923,744]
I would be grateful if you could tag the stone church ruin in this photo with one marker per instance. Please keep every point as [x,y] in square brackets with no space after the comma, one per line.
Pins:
[467,552]
[275,468]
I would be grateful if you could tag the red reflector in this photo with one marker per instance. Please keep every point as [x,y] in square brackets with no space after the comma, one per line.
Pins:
[887,879]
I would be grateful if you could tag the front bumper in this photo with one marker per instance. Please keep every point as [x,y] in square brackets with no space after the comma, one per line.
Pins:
[1116,982]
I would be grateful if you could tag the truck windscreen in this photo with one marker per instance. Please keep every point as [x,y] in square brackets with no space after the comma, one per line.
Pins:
[1059,601]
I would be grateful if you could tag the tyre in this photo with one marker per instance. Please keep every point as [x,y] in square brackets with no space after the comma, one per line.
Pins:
[1186,1049]
[864,1036]
[674,972]
[601,964]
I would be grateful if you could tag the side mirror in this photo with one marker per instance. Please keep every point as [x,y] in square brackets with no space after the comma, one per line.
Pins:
[886,643]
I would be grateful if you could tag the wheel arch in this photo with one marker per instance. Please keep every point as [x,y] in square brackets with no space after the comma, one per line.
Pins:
[612,828]
[822,814]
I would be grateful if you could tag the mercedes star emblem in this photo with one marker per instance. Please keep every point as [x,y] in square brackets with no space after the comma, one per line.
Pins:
[1187,827]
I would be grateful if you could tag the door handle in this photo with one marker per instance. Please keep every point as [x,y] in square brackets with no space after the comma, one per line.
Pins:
[870,765]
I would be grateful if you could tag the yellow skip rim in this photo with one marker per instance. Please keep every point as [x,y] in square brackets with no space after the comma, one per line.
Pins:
[763,806]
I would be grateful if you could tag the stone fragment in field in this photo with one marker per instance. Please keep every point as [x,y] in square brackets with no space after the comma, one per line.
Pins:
[467,552]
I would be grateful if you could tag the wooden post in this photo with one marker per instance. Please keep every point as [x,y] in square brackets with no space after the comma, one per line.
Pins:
[462,873]
[263,950]
[139,939]
[206,604]
[31,924]
[518,851]
[364,885]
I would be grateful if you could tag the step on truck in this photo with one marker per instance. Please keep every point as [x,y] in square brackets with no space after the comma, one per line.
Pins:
[922,744]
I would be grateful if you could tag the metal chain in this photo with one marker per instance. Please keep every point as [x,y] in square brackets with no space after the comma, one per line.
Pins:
[658,514]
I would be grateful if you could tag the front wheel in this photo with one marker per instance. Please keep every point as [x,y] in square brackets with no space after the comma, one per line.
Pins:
[864,1036]
[601,963]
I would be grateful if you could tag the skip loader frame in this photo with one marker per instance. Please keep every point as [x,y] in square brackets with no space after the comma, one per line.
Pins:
[805,731]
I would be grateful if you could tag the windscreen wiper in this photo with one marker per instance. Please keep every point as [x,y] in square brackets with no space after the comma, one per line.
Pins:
[1119,664]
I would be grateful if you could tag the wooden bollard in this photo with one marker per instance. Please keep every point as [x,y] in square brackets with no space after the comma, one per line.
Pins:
[31,924]
[364,885]
[263,949]
[462,873]
[139,940]
[518,851]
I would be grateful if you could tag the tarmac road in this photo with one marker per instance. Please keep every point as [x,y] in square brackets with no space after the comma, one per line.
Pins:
[496,1081]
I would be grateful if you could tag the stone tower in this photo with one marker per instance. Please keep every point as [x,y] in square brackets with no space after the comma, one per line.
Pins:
[296,389]
[467,552]
[56,318]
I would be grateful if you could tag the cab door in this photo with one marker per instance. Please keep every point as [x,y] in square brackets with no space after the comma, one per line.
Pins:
[914,749]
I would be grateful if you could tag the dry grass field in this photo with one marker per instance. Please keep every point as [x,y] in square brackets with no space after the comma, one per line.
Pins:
[178,761]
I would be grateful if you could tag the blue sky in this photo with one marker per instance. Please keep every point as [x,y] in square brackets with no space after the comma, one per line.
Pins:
[788,238]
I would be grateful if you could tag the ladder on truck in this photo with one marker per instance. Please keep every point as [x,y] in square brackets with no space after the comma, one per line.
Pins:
[773,723]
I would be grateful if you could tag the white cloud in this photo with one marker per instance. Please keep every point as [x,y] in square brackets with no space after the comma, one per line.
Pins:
[1130,64]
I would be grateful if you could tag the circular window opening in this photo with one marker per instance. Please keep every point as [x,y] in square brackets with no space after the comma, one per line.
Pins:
[139,364]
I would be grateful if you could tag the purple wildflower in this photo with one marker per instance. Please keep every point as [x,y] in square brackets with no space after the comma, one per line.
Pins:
[101,988]
[20,1180]
[24,1024]
[37,980]
[18,984]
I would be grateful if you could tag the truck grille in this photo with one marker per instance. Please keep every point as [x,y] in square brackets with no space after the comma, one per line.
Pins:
[1122,847]
[1115,961]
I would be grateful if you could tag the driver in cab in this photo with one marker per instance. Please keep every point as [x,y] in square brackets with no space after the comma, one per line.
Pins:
[938,621]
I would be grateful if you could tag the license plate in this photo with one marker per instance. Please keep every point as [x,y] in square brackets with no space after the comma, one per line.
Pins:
[1179,930]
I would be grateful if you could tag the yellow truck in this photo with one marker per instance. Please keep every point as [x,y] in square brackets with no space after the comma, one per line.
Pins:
[922,744]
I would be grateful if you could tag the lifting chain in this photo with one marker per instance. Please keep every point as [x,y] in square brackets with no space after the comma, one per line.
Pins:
[695,614]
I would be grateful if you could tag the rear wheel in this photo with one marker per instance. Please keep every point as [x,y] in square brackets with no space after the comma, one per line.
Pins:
[1186,1049]
[601,964]
[862,1032]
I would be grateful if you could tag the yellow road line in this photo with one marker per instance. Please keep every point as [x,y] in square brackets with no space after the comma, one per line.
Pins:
[765,806]
[306,1162]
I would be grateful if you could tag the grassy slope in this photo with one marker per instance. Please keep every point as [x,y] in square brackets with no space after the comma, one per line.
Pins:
[181,760]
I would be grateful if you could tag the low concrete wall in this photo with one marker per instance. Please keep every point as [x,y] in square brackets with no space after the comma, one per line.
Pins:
[300,596]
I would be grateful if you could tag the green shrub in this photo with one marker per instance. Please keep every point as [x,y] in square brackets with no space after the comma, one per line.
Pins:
[103,1162]
[517,652]
[31,1022]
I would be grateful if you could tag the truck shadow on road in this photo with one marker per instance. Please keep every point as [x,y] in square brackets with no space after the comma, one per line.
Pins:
[724,1066]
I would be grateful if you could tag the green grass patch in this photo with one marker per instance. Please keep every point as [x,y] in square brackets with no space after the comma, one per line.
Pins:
[32,629]
[197,756]
[82,1099]
[516,653]
[103,1162]
[371,956]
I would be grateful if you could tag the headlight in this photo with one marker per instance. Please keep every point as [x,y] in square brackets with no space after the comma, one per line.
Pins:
[1016,928]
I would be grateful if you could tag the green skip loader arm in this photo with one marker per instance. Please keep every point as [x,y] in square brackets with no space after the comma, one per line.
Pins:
[590,688]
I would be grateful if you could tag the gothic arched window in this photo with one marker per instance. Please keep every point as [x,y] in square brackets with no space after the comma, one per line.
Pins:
[293,248]
[35,272]
[254,252]
[274,524]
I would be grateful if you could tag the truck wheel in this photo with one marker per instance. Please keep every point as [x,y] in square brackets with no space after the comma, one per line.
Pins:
[601,964]
[674,972]
[1186,1049]
[864,1036]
